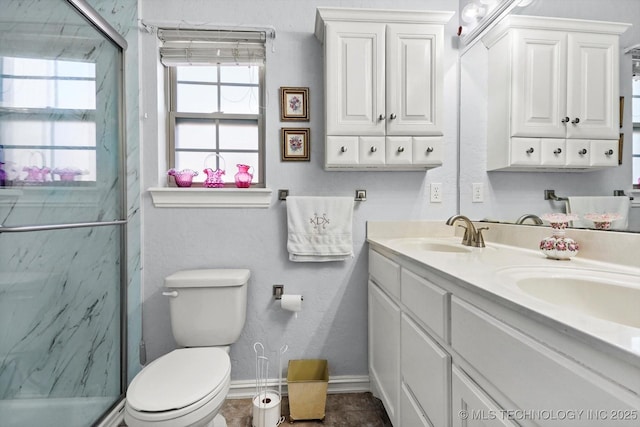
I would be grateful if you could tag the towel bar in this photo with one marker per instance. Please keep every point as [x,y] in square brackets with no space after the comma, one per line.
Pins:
[551,195]
[361,195]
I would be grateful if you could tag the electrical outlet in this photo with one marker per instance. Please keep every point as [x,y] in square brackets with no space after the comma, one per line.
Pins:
[477,192]
[436,193]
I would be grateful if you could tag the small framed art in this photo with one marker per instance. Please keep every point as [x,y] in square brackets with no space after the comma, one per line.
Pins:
[294,104]
[295,144]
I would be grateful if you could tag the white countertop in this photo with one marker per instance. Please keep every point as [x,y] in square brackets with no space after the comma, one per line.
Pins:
[480,271]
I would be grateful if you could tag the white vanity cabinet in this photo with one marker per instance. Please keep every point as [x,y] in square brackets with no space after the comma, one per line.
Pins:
[554,94]
[383,87]
[410,371]
[442,354]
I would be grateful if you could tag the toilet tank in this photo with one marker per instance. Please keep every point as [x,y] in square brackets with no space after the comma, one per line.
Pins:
[208,307]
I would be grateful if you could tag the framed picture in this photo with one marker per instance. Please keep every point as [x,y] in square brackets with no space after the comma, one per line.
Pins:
[620,146]
[294,104]
[295,144]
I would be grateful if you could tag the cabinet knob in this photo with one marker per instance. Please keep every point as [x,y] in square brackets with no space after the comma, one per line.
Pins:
[609,152]
[566,120]
[400,149]
[575,121]
[530,150]
[582,152]
[381,117]
[343,149]
[374,149]
[392,116]
[429,149]
[557,151]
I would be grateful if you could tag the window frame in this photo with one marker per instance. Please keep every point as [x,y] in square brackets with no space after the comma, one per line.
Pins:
[173,115]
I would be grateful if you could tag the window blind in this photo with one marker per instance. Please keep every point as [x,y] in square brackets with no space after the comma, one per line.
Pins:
[206,47]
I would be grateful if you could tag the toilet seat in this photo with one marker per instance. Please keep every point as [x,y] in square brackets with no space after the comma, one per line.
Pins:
[187,382]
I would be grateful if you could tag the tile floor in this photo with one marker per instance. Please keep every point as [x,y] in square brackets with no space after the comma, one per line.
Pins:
[342,410]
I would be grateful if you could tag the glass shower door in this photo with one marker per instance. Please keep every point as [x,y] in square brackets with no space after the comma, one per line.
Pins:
[62,216]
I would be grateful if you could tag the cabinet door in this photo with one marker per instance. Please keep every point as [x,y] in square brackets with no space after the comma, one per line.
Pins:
[553,152]
[341,150]
[471,406]
[427,151]
[414,83]
[593,86]
[426,371]
[371,150]
[604,153]
[399,150]
[539,84]
[578,153]
[354,78]
[525,151]
[384,349]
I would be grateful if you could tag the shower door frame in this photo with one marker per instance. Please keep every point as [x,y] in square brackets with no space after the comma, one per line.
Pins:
[101,24]
[97,21]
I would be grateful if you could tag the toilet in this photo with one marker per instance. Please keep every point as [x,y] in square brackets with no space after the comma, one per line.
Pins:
[187,386]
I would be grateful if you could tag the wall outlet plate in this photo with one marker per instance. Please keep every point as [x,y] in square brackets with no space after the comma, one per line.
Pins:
[477,192]
[436,192]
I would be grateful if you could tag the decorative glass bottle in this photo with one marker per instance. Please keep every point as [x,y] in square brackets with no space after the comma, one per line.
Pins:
[558,246]
[243,177]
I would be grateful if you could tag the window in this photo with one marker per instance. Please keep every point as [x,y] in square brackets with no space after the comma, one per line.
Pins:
[215,97]
[635,108]
[47,120]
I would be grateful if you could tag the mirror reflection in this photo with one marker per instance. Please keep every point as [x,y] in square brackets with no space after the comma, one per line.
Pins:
[518,194]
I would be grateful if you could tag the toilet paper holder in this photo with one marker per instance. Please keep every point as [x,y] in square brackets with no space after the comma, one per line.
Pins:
[278,291]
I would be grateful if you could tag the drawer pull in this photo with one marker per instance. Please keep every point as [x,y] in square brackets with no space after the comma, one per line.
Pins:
[392,116]
[557,151]
[575,121]
[530,150]
[381,117]
[374,149]
[400,149]
[429,149]
[609,152]
[565,120]
[343,149]
[582,152]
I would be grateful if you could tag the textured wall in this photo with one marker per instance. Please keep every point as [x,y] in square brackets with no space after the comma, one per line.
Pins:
[333,323]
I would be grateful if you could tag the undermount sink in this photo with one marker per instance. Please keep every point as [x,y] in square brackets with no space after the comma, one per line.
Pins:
[432,245]
[605,295]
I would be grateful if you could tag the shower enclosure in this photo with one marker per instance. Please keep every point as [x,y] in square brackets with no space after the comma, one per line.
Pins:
[62,215]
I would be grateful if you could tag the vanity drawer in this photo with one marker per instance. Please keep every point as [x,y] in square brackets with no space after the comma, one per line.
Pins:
[507,359]
[385,273]
[426,301]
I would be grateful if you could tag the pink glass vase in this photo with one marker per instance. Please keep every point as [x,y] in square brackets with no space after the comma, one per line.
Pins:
[243,178]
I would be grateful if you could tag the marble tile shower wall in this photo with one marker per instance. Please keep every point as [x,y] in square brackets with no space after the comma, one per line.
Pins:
[59,306]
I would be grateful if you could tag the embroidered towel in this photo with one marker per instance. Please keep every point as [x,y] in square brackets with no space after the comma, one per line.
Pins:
[320,228]
[599,205]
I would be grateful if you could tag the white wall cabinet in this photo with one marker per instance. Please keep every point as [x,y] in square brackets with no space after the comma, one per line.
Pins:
[553,80]
[437,358]
[383,87]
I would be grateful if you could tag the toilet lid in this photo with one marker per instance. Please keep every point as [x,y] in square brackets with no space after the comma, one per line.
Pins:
[179,379]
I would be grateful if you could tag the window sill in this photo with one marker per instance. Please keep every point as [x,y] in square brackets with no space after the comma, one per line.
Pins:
[174,197]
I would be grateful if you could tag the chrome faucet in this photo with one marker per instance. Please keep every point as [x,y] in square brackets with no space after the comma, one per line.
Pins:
[472,237]
[535,218]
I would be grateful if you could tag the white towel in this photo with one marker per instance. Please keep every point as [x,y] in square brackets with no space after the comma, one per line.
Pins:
[320,228]
[600,205]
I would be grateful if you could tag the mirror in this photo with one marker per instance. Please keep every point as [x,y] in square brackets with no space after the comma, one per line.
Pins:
[509,195]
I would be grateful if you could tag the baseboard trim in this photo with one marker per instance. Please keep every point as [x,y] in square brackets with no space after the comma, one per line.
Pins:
[244,389]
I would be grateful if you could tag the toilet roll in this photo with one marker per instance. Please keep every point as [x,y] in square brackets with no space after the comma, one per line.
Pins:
[266,410]
[291,302]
